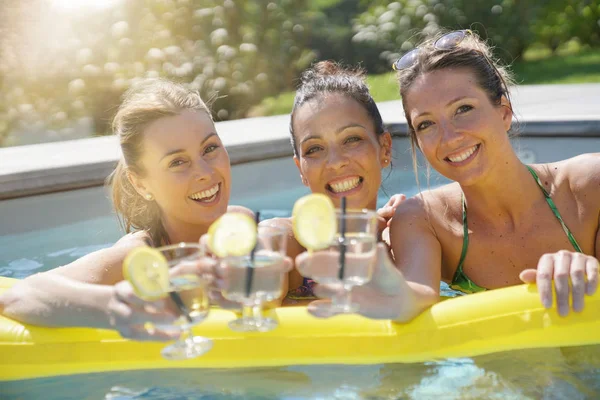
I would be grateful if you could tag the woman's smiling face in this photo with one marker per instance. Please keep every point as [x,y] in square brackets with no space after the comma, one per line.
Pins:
[339,153]
[186,167]
[458,129]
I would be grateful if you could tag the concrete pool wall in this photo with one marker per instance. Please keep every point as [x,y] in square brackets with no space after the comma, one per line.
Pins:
[557,112]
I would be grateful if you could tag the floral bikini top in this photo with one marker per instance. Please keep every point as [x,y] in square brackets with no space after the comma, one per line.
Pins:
[303,292]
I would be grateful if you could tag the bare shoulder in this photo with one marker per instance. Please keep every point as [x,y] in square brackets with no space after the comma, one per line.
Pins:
[581,174]
[134,239]
[429,205]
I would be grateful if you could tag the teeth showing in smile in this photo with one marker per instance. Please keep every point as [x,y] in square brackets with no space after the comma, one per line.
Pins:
[345,185]
[207,195]
[463,155]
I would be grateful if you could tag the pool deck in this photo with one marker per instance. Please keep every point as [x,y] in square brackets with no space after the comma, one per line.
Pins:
[541,110]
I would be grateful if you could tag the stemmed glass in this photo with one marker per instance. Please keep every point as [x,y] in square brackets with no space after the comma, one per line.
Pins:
[348,261]
[255,279]
[189,294]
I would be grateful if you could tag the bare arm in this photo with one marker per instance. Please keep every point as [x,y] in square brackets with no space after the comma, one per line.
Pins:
[584,175]
[396,291]
[54,300]
[597,249]
[103,266]
[591,168]
[73,294]
[418,256]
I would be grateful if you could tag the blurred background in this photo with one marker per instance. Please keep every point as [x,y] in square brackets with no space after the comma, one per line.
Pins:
[65,63]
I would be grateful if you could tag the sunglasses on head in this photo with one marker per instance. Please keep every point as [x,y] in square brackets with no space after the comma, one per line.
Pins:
[446,42]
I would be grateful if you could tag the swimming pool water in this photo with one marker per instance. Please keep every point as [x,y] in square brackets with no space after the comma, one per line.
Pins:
[570,374]
[39,233]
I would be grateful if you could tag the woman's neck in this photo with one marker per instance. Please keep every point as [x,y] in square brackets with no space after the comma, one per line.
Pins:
[505,195]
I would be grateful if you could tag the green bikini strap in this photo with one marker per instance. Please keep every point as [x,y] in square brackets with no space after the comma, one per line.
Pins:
[555,211]
[465,246]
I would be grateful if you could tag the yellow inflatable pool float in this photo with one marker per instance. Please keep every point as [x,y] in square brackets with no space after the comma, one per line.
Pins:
[488,322]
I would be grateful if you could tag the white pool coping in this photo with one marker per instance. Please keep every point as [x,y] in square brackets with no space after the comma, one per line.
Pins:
[542,110]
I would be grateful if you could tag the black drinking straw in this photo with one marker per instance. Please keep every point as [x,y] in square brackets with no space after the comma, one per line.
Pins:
[342,240]
[250,268]
[180,305]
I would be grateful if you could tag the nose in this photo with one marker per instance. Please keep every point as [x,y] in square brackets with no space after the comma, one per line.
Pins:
[449,134]
[202,170]
[336,159]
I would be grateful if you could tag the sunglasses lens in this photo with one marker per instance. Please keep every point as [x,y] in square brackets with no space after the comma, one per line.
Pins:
[450,40]
[407,60]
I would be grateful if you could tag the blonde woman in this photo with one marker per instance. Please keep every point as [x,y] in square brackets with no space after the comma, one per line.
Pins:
[171,184]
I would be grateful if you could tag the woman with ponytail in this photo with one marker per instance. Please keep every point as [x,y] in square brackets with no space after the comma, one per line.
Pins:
[340,148]
[172,182]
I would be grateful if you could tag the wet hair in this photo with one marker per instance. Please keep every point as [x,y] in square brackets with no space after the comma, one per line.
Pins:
[143,104]
[328,77]
[471,53]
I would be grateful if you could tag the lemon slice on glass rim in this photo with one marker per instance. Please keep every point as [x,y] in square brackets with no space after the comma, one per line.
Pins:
[233,234]
[314,221]
[148,272]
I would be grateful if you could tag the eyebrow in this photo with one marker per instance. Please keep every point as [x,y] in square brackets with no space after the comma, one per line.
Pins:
[455,100]
[337,131]
[175,151]
[351,125]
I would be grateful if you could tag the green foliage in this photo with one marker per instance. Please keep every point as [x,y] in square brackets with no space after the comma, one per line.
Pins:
[567,19]
[62,73]
[331,34]
[567,67]
[580,67]
[511,26]
[398,26]
[71,66]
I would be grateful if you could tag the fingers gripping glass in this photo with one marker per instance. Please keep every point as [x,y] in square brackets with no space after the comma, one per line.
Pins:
[192,299]
[445,42]
[255,279]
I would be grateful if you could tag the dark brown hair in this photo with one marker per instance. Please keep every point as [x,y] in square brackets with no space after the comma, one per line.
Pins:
[330,77]
[143,104]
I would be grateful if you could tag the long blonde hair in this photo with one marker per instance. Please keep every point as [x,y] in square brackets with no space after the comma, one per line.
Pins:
[143,104]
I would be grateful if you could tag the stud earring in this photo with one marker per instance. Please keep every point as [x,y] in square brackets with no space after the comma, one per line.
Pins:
[149,197]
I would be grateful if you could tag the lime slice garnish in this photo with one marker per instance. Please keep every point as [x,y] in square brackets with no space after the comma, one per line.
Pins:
[148,272]
[314,221]
[233,234]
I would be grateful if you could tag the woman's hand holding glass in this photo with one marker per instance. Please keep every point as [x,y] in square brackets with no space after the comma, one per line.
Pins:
[256,278]
[135,318]
[139,319]
[164,296]
[342,247]
[379,298]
